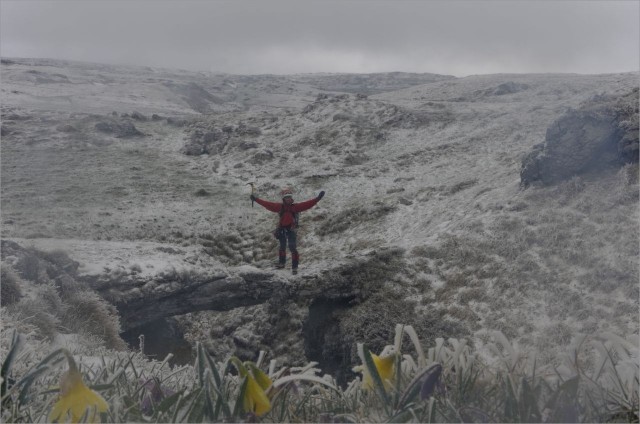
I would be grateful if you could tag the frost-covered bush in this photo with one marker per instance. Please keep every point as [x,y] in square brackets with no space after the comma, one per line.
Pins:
[10,291]
[55,300]
[87,313]
[37,313]
[60,259]
[448,382]
[29,267]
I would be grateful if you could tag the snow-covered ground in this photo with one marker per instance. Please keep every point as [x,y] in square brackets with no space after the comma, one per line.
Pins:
[432,168]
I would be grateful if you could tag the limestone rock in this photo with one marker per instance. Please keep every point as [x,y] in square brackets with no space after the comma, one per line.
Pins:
[600,134]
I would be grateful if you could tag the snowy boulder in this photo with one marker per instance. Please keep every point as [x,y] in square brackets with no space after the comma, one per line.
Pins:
[262,157]
[601,134]
[246,145]
[210,142]
[138,116]
[530,169]
[118,129]
[244,338]
[193,149]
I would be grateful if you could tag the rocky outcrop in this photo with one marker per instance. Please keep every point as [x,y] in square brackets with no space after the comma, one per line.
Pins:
[628,128]
[118,129]
[138,116]
[167,295]
[601,134]
[209,142]
[141,299]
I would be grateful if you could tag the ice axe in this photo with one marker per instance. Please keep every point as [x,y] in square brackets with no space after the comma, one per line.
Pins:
[253,190]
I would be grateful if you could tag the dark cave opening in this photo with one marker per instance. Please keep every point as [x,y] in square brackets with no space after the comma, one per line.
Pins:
[324,341]
[161,337]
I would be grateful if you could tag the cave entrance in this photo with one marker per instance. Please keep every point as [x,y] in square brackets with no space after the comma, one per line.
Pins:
[161,337]
[324,341]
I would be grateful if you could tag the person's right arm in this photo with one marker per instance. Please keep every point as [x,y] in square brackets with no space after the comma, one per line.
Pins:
[271,206]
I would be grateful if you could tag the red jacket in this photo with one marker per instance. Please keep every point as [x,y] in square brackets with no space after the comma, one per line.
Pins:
[286,218]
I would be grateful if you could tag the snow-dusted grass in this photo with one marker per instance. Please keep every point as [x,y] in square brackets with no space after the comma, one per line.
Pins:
[432,169]
[597,382]
[560,267]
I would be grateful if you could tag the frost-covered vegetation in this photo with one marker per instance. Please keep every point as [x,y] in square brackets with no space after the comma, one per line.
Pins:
[128,188]
[40,290]
[449,382]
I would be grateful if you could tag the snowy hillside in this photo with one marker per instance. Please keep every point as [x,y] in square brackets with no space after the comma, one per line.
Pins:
[137,172]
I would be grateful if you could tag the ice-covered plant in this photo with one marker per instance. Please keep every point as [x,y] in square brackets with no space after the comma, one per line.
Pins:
[596,380]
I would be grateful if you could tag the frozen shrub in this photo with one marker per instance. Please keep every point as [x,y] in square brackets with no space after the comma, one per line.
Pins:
[29,267]
[61,260]
[48,295]
[35,312]
[10,291]
[89,314]
[67,285]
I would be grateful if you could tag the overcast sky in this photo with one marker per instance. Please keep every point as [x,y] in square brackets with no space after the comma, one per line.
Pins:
[281,36]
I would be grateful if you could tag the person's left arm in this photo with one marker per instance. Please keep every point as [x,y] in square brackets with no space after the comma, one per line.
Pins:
[307,204]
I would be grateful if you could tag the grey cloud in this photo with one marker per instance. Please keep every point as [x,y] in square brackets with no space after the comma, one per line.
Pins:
[459,37]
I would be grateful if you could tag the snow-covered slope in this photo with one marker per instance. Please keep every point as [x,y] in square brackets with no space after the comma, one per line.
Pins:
[432,169]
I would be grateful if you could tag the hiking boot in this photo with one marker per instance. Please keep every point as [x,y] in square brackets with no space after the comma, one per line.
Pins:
[294,271]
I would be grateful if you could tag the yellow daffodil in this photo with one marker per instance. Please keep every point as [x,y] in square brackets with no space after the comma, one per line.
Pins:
[385,365]
[255,398]
[76,400]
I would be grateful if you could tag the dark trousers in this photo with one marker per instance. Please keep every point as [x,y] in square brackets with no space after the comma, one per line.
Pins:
[287,235]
